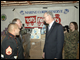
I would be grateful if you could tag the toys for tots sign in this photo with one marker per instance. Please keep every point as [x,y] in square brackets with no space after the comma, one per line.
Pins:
[33,21]
[34,18]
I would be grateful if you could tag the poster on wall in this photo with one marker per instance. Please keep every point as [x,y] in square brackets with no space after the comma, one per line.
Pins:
[33,18]
[32,22]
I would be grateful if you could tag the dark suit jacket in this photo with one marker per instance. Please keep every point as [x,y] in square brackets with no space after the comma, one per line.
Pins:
[54,42]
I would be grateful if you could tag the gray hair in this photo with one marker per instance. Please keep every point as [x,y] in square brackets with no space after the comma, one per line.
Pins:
[49,13]
[15,20]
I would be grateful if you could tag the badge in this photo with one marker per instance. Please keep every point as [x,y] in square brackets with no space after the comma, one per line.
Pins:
[3,17]
[9,50]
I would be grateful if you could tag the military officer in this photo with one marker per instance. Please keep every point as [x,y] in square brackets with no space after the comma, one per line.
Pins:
[11,47]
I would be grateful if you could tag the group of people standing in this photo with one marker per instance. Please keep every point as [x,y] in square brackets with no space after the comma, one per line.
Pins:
[11,46]
[56,38]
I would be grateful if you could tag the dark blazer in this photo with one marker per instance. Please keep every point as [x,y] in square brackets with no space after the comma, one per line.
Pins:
[54,42]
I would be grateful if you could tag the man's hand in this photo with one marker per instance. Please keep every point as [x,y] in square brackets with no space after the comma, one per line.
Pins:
[43,55]
[65,31]
[24,54]
[55,58]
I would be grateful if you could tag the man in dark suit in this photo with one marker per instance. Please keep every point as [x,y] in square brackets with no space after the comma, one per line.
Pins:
[54,38]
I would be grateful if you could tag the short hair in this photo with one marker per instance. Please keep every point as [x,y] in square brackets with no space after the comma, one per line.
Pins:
[15,20]
[75,24]
[49,13]
[11,26]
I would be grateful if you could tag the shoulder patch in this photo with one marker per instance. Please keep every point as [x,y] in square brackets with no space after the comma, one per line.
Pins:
[9,51]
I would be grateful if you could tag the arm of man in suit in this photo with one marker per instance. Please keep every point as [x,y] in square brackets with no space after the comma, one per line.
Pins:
[43,55]
[60,41]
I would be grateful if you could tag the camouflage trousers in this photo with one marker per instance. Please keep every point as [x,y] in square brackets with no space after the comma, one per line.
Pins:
[70,54]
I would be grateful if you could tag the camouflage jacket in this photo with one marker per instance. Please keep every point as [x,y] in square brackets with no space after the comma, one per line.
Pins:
[71,40]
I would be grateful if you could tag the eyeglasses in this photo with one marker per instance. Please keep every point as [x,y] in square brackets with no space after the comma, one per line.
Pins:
[45,17]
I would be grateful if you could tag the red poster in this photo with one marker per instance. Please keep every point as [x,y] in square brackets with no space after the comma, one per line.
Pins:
[40,22]
[30,20]
[57,18]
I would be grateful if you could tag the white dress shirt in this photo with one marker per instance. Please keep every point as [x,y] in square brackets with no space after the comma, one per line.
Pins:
[50,25]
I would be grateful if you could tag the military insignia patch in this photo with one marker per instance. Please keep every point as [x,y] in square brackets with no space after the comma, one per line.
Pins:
[9,50]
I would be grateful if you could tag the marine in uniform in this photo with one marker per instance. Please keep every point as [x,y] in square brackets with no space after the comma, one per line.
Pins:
[11,47]
[71,44]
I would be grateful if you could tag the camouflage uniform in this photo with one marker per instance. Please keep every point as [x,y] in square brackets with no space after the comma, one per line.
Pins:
[71,44]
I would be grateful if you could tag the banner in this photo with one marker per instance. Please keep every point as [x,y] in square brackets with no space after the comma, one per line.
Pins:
[33,18]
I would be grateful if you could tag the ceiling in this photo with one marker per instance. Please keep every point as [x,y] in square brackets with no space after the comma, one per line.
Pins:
[22,3]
